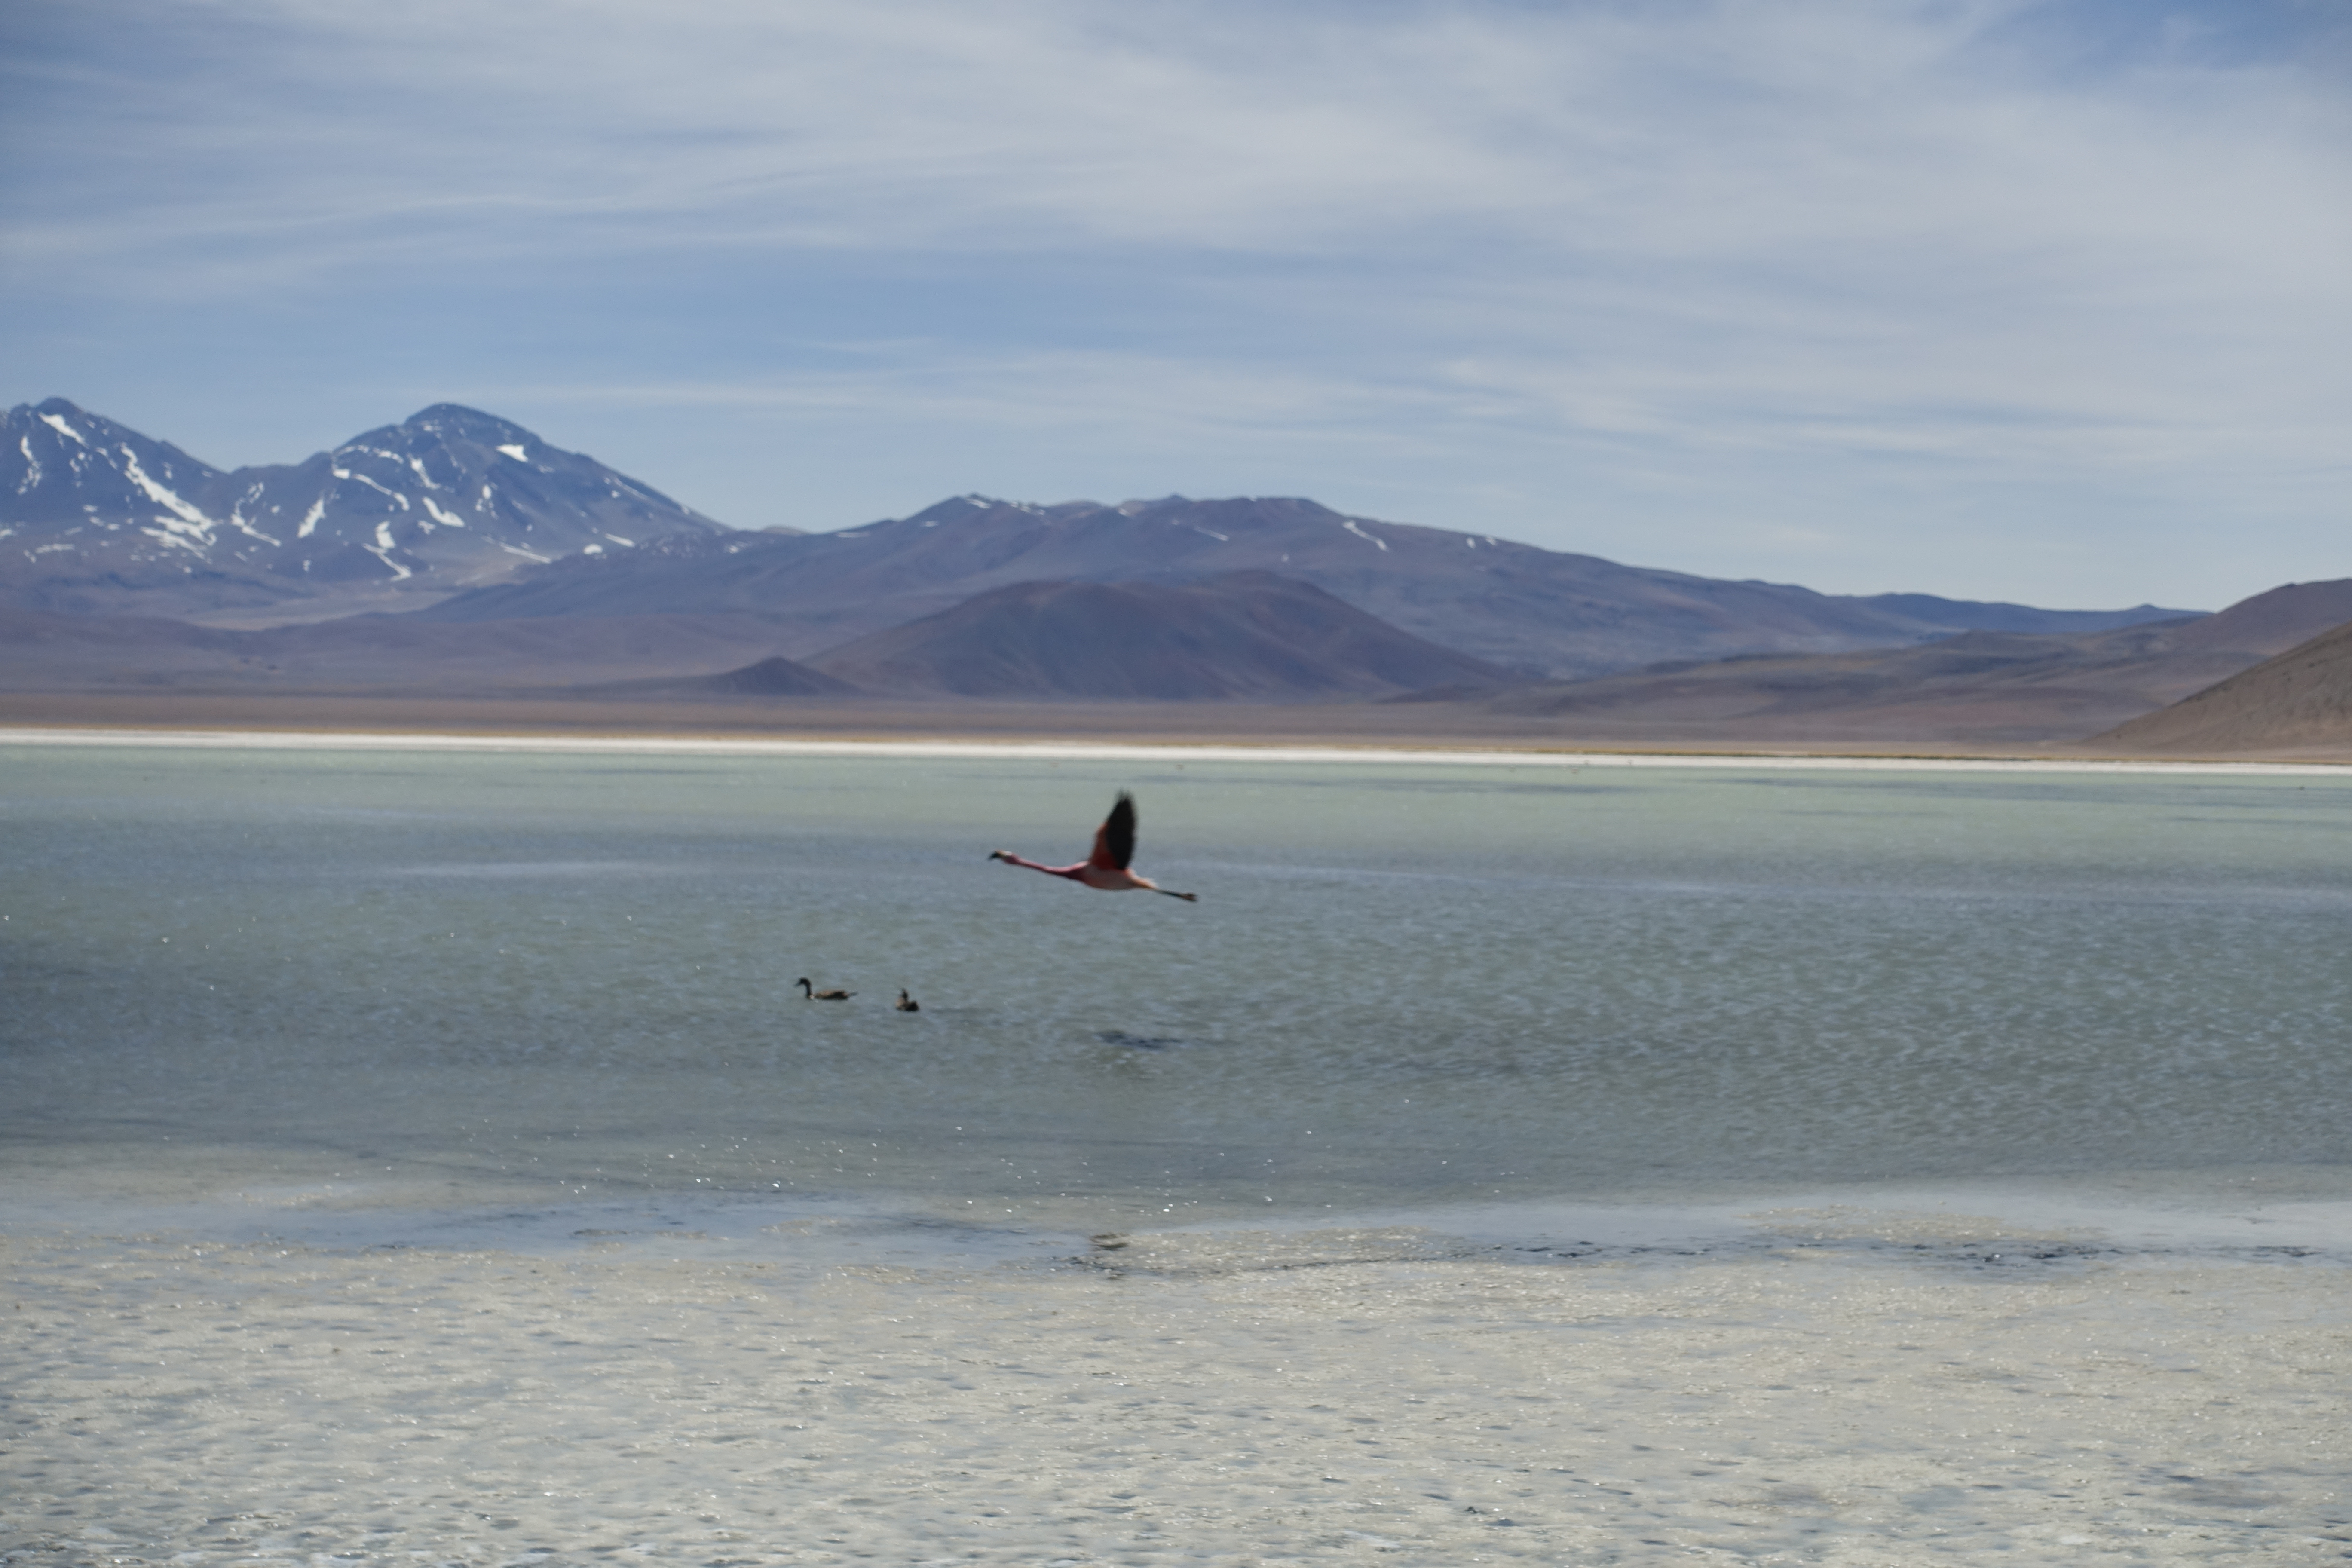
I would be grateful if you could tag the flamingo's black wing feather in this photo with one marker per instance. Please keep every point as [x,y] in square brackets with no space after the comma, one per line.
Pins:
[1118,832]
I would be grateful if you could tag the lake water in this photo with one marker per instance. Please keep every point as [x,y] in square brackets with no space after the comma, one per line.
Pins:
[515,975]
[425,1156]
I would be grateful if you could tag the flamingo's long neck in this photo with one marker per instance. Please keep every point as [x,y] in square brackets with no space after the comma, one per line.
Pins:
[1073,872]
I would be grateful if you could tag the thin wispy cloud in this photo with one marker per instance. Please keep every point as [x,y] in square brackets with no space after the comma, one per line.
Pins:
[1650,280]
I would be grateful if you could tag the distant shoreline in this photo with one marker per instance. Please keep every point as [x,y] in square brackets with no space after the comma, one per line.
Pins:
[1390,754]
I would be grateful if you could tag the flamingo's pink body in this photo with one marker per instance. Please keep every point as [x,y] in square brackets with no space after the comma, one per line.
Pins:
[1106,869]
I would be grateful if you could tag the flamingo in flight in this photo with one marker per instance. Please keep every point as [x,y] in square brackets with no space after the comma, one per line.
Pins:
[1106,868]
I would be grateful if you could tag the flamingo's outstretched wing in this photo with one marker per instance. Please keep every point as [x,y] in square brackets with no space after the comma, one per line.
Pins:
[1115,839]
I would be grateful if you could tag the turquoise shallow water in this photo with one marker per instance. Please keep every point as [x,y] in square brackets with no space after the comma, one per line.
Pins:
[570,975]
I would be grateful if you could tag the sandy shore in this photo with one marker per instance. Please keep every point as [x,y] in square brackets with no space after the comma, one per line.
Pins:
[1857,1390]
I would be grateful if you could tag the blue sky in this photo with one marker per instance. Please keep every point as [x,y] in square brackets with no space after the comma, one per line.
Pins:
[2039,301]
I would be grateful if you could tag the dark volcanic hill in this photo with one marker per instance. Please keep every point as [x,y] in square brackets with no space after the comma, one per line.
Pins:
[1980,687]
[96,517]
[774,677]
[1246,635]
[2300,702]
[1513,604]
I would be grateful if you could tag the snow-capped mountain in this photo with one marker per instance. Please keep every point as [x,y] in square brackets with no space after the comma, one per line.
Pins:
[449,497]
[79,492]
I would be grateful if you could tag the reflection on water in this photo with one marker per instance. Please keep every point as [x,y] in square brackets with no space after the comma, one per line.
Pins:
[572,974]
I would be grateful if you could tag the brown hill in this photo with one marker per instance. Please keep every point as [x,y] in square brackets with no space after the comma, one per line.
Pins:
[2299,702]
[1244,635]
[1980,686]
[2275,621]
[1540,611]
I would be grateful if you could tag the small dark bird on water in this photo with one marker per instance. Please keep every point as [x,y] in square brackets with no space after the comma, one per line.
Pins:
[906,1003]
[1106,869]
[810,993]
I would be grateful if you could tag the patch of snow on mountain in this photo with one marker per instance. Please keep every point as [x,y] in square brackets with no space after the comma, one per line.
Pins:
[383,547]
[390,494]
[517,453]
[1349,524]
[625,544]
[423,478]
[310,518]
[162,495]
[236,520]
[1219,538]
[526,554]
[32,464]
[58,422]
[448,519]
[591,550]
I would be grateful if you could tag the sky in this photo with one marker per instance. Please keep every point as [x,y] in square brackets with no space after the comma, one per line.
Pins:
[2048,302]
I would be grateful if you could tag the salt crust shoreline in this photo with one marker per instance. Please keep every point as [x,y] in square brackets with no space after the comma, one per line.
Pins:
[1065,750]
[1870,1388]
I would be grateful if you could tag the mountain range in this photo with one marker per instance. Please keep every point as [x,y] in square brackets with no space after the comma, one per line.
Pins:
[520,567]
[476,519]
[1534,612]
